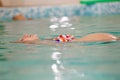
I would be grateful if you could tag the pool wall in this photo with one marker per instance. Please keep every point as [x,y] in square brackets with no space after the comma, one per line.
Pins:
[97,9]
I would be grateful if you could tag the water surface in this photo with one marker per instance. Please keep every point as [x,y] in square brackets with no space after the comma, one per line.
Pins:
[71,61]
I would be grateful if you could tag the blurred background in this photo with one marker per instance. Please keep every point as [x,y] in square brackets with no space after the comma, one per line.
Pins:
[47,8]
[47,2]
[36,2]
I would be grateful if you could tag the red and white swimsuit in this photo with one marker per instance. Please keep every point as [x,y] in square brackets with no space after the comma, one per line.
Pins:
[64,38]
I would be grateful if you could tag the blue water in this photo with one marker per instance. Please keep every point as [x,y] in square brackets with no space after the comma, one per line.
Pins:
[70,61]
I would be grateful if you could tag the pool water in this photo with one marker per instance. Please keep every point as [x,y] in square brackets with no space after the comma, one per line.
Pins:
[70,61]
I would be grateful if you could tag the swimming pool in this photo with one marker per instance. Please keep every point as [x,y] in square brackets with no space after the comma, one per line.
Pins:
[74,61]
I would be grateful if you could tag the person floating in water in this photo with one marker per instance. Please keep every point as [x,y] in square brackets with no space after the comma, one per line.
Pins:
[95,37]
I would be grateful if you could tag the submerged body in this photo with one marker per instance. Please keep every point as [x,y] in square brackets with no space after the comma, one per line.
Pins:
[96,37]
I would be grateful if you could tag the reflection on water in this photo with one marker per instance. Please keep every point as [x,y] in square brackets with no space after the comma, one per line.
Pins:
[2,50]
[2,58]
[63,22]
[2,28]
[60,71]
[58,66]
